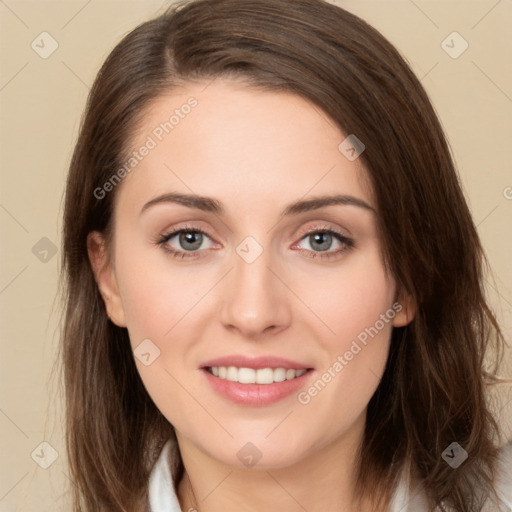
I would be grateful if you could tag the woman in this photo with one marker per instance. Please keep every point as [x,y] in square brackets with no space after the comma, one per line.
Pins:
[320,345]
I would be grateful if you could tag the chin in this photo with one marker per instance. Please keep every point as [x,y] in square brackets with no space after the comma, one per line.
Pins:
[259,454]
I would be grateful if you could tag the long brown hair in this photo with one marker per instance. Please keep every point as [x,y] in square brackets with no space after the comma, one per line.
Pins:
[433,389]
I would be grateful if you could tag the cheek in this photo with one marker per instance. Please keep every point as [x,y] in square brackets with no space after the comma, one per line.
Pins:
[155,293]
[159,304]
[357,307]
[351,298]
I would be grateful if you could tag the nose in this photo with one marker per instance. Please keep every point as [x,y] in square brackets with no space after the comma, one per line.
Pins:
[255,298]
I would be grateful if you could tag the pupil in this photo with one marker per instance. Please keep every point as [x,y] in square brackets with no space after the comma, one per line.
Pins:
[188,237]
[321,237]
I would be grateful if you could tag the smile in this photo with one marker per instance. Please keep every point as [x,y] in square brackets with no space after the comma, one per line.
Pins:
[256,387]
[253,376]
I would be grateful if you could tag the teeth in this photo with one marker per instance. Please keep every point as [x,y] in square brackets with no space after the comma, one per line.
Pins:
[251,376]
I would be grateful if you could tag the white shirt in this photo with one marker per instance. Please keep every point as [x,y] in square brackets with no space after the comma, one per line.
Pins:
[163,498]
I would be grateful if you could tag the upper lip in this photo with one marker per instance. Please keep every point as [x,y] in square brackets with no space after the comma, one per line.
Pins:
[241,361]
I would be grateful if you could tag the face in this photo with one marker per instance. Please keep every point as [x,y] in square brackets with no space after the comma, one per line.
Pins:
[252,277]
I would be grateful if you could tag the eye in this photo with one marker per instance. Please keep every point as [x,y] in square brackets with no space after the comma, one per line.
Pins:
[321,240]
[188,239]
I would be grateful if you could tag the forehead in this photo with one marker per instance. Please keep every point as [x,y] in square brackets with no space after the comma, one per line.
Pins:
[231,141]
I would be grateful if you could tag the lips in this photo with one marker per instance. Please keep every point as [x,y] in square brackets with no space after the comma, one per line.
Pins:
[256,395]
[256,363]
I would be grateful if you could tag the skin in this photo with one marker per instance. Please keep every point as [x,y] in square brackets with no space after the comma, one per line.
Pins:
[256,152]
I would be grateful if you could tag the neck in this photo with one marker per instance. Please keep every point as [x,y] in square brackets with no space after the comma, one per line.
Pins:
[323,480]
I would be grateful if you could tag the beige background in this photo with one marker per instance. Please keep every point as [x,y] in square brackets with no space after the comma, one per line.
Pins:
[41,102]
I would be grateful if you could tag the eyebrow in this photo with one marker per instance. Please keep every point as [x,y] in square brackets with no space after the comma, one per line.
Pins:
[209,204]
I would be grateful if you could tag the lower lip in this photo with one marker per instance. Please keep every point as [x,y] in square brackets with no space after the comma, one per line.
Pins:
[256,394]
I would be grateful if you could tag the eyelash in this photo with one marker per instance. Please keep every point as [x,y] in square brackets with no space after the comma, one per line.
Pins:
[348,243]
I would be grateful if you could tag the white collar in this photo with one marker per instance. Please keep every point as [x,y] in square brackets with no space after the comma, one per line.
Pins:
[163,497]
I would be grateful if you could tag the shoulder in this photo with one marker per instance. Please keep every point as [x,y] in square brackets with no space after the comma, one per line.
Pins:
[410,496]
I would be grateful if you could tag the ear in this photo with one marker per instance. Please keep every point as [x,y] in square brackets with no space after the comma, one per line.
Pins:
[105,277]
[406,313]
